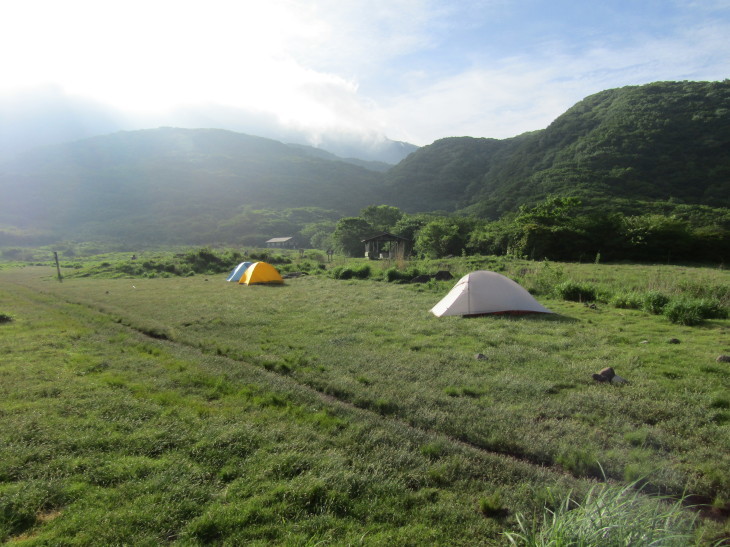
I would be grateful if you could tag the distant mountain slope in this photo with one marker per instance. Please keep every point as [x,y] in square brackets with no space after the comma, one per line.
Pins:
[378,166]
[47,115]
[667,140]
[438,176]
[170,184]
[633,145]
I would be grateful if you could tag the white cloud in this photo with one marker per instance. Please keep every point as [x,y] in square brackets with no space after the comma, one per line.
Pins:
[415,70]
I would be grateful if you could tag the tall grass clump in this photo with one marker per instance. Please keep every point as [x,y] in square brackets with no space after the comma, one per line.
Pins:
[362,272]
[358,272]
[654,302]
[576,292]
[627,300]
[609,515]
[340,272]
[690,311]
[394,275]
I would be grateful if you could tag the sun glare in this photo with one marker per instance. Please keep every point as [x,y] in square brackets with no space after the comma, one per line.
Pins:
[148,56]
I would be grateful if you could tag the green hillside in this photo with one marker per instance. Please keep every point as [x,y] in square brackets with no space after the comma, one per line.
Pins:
[658,142]
[659,148]
[171,184]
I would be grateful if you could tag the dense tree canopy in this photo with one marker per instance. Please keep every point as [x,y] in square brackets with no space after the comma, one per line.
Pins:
[349,233]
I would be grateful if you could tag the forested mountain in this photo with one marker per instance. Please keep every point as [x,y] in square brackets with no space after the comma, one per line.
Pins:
[667,140]
[633,149]
[170,184]
[438,176]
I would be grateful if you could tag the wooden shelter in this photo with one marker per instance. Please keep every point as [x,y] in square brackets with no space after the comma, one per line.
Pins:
[385,245]
[281,243]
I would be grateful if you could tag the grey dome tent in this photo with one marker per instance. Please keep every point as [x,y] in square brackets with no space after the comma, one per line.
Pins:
[483,292]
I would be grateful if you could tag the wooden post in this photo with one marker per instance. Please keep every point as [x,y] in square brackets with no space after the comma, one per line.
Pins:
[58,267]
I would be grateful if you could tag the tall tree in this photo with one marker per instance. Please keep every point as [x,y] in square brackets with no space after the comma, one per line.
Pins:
[381,217]
[442,237]
[349,233]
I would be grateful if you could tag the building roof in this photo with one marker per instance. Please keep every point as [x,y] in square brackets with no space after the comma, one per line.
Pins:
[385,236]
[279,239]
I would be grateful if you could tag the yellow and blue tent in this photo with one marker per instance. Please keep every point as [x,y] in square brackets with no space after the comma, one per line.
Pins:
[260,272]
[238,271]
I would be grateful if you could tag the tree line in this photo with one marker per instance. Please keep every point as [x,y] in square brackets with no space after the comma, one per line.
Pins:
[558,228]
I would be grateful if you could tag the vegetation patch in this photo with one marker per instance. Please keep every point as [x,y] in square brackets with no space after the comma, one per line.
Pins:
[576,291]
[607,515]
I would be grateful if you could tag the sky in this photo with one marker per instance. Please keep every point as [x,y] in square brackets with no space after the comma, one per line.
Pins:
[409,70]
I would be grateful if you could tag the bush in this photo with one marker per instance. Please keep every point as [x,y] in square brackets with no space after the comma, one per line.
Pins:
[711,308]
[689,312]
[654,302]
[683,312]
[5,318]
[340,272]
[627,300]
[576,292]
[394,275]
[363,272]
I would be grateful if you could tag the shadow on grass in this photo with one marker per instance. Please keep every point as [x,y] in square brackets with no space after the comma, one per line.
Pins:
[551,317]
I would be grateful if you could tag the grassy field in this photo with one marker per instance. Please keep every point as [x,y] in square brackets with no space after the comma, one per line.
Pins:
[188,409]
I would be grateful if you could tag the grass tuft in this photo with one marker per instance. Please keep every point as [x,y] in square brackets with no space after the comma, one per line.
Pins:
[608,515]
[654,302]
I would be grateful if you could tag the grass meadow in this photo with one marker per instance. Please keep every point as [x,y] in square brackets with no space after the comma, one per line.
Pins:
[327,411]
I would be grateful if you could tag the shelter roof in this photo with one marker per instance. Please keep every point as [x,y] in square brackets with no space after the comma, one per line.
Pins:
[385,236]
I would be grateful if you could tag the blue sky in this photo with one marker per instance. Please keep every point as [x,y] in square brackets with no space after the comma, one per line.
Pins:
[412,70]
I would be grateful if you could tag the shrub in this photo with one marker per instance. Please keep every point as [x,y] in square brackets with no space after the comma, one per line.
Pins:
[654,302]
[688,311]
[5,318]
[394,275]
[576,292]
[630,300]
[683,312]
[340,272]
[363,272]
[712,308]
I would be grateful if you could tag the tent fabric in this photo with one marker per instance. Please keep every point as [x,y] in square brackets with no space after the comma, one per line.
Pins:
[238,271]
[260,272]
[484,292]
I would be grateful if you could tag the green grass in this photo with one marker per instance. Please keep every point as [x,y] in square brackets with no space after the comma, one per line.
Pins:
[331,410]
[608,515]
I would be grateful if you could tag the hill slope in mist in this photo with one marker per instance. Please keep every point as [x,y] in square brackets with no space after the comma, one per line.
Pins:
[633,146]
[171,184]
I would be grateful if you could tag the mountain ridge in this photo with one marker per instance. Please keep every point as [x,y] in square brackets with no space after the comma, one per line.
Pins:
[666,141]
